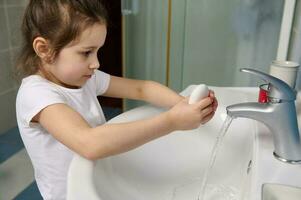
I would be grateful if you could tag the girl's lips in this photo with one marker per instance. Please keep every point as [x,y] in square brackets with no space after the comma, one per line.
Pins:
[88,76]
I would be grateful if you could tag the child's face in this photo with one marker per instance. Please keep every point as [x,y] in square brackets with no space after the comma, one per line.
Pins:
[76,62]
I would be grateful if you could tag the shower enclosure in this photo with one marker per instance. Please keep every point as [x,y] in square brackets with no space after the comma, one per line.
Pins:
[183,42]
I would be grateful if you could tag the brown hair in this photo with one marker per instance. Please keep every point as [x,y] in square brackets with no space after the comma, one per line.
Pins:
[59,22]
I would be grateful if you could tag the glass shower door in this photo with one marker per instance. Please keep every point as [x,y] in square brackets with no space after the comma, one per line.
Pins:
[216,38]
[209,41]
[144,41]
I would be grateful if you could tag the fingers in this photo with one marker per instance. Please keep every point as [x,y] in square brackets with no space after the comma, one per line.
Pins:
[207,118]
[209,111]
[206,111]
[207,107]
[204,103]
[214,104]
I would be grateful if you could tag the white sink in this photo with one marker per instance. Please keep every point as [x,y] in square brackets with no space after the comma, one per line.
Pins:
[280,192]
[172,167]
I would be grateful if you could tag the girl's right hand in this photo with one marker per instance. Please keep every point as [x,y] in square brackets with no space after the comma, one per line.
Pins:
[184,116]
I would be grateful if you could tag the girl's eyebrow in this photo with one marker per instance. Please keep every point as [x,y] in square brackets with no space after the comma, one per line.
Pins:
[90,47]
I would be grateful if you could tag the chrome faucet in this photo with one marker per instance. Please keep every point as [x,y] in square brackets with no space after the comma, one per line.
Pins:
[278,114]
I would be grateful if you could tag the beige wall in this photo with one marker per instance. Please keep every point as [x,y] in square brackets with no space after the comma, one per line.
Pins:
[10,40]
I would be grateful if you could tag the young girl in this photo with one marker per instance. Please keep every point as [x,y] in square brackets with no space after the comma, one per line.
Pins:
[58,112]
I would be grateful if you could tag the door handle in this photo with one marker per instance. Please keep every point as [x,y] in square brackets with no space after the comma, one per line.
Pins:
[129,7]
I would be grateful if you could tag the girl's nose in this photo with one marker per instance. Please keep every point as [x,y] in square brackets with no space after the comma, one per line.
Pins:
[94,64]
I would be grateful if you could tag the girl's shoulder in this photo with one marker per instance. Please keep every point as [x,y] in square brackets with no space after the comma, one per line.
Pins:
[35,87]
[37,83]
[35,94]
[33,81]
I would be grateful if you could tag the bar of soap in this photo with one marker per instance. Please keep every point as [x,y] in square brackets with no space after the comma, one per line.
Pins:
[201,91]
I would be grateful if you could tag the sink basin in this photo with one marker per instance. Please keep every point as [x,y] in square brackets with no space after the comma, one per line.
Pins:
[172,167]
[280,192]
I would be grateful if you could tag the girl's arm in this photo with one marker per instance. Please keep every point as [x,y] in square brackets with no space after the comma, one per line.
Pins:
[149,91]
[68,127]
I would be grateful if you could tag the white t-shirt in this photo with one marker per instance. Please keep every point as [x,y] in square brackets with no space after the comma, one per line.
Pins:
[50,158]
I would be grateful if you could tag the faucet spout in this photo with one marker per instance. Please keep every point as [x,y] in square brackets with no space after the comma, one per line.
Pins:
[281,119]
[252,110]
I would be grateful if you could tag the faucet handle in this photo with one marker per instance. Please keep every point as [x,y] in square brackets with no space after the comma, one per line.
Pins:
[278,88]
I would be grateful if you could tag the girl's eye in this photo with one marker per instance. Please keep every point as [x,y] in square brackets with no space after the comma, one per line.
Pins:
[86,53]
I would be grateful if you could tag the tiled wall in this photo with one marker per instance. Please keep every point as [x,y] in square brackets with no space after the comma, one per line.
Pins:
[11,12]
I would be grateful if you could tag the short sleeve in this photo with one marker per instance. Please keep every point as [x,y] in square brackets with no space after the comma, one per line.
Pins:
[102,81]
[31,99]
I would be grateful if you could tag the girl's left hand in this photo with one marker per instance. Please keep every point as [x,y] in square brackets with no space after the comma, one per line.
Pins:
[214,105]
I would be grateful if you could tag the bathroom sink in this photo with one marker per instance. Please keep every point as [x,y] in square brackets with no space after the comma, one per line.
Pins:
[172,167]
[268,169]
[280,192]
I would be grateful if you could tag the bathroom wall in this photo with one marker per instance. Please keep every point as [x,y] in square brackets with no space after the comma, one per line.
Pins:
[10,39]
[211,40]
[295,43]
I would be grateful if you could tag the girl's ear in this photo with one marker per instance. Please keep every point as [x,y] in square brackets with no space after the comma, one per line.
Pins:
[42,49]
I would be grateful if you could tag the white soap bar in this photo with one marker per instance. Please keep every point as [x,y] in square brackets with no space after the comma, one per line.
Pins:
[201,91]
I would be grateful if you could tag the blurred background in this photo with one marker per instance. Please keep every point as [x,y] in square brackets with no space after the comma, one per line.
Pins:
[174,42]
